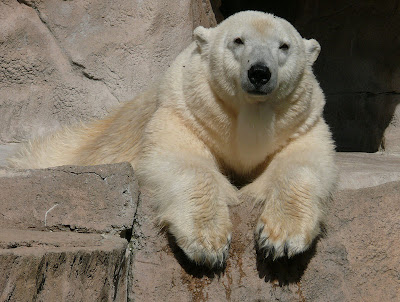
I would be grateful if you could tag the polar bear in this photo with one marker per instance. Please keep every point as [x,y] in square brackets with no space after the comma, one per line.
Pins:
[240,102]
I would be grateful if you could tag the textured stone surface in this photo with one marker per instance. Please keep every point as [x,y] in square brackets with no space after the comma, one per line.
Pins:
[361,170]
[5,152]
[357,260]
[96,199]
[61,266]
[66,61]
[391,141]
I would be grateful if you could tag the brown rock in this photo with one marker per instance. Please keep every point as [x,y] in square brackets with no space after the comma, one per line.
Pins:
[62,266]
[356,261]
[96,199]
[74,60]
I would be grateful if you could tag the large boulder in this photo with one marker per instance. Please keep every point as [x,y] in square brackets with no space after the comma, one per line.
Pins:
[75,60]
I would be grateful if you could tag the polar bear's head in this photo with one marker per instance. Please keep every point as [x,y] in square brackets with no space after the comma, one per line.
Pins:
[254,56]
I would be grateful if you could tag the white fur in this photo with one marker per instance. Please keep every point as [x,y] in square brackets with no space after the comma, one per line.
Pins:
[203,123]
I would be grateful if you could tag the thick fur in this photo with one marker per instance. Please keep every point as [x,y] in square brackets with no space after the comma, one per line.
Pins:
[204,124]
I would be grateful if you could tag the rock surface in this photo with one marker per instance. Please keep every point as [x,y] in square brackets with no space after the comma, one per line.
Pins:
[74,60]
[60,233]
[362,170]
[61,266]
[391,141]
[95,199]
[357,260]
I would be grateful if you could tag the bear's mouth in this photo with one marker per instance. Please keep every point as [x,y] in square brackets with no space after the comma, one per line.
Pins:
[258,92]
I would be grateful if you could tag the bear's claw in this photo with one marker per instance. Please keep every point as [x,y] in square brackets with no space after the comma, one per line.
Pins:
[282,246]
[208,257]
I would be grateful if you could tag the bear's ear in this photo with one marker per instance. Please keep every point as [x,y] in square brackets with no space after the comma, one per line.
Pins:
[312,50]
[201,36]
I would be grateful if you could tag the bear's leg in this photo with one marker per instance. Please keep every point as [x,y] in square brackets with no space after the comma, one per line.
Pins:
[190,194]
[293,191]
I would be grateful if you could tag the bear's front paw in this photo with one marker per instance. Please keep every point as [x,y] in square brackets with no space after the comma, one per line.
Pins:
[211,251]
[282,238]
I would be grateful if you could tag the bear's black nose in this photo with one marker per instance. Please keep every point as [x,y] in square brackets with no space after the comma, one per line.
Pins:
[259,75]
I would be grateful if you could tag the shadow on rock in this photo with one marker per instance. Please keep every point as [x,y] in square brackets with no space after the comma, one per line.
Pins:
[285,270]
[191,268]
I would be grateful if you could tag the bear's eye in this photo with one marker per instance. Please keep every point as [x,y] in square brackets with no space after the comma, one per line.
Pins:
[284,46]
[238,41]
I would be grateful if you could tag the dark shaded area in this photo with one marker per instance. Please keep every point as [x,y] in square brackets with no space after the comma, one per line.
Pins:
[126,234]
[191,268]
[284,270]
[359,65]
[358,121]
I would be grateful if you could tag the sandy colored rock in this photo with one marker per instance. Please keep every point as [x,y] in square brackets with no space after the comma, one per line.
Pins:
[62,266]
[5,152]
[357,259]
[62,62]
[361,170]
[96,199]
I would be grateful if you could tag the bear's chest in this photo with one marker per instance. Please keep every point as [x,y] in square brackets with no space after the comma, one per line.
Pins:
[254,137]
